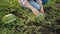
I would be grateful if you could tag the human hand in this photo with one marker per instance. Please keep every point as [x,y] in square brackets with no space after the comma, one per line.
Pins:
[40,3]
[42,10]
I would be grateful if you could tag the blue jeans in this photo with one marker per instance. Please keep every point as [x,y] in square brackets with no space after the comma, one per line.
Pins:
[36,5]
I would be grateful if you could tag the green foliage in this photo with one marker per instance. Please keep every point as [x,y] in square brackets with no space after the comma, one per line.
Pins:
[25,22]
[40,17]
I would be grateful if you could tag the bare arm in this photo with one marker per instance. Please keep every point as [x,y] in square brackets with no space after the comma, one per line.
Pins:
[34,10]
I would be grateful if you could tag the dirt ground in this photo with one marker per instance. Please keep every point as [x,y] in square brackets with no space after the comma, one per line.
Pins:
[58,5]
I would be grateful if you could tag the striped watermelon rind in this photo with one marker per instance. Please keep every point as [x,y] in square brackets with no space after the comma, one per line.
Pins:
[9,18]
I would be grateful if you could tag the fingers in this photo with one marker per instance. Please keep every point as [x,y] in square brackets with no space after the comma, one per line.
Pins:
[42,10]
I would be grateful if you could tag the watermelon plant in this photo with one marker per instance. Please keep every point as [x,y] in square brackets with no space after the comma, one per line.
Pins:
[15,19]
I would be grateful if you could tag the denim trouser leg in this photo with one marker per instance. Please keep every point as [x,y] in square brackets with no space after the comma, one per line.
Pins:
[36,5]
[44,1]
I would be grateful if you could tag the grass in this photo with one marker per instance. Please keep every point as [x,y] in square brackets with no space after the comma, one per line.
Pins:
[26,23]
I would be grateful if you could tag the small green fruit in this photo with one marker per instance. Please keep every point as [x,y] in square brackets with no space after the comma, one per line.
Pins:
[41,17]
[8,18]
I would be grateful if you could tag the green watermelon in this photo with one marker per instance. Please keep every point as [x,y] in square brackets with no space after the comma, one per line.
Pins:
[9,18]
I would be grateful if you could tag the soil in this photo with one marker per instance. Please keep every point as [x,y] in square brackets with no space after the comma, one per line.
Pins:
[58,4]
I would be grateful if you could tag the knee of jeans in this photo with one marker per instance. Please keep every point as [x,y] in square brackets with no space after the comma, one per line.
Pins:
[44,1]
[35,5]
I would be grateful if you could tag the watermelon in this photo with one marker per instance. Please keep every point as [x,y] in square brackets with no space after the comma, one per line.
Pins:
[9,18]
